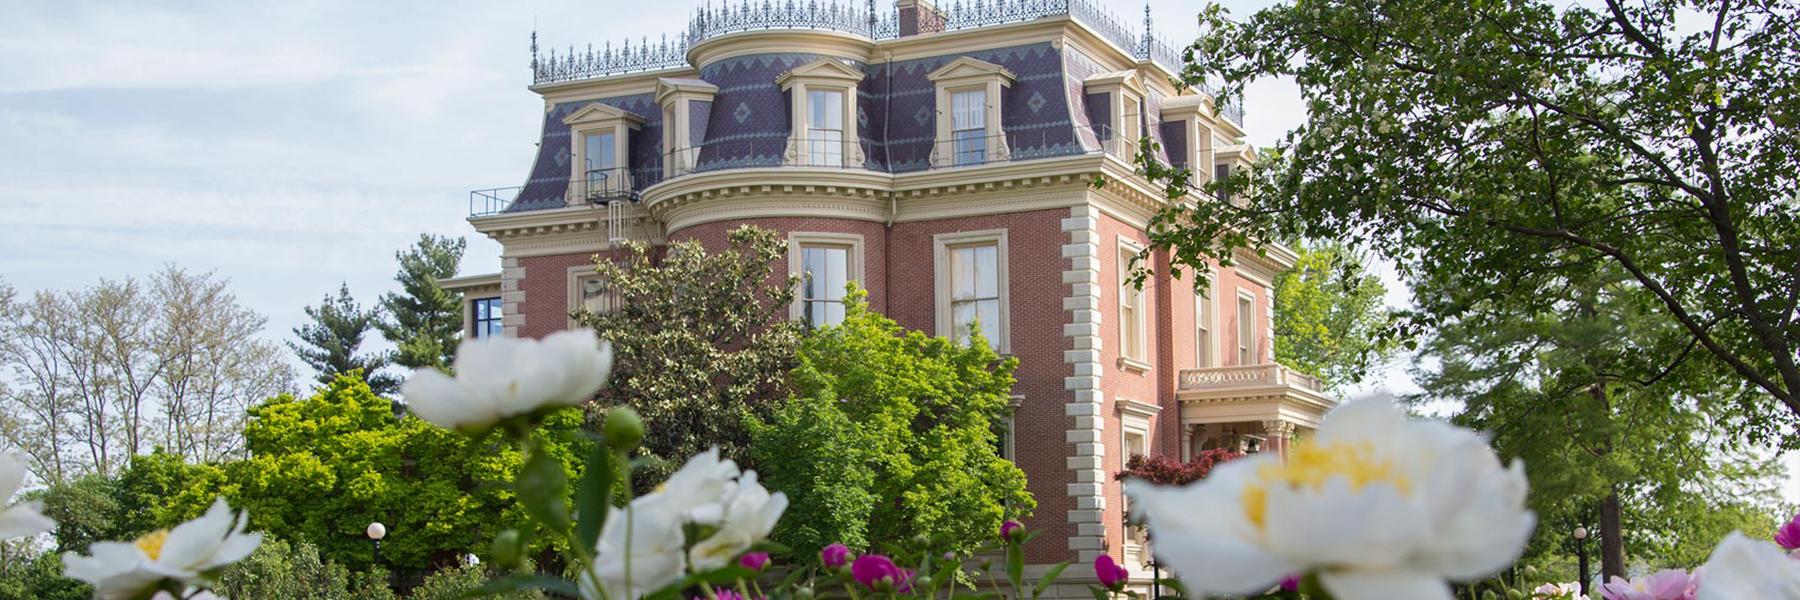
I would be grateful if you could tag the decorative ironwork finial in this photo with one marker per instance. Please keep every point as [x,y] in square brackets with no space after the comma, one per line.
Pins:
[534,50]
[1149,31]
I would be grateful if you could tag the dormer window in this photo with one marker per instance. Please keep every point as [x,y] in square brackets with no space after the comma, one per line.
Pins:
[823,94]
[600,136]
[685,104]
[1124,98]
[968,113]
[1187,136]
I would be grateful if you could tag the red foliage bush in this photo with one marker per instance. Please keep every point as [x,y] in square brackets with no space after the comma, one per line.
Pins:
[1162,470]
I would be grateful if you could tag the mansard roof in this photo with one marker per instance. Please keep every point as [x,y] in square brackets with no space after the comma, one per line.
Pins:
[601,112]
[966,67]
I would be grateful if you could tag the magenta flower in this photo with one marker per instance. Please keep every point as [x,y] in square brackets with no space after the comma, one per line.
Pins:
[1291,583]
[723,594]
[836,555]
[1007,529]
[875,570]
[755,561]
[1671,584]
[1112,576]
[1788,536]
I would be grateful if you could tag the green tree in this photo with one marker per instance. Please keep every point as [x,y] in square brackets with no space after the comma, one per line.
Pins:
[1653,466]
[891,434]
[1329,318]
[1517,138]
[332,338]
[701,342]
[322,468]
[423,320]
[280,570]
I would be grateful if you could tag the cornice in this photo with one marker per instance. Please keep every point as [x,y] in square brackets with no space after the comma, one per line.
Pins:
[470,282]
[781,41]
[611,86]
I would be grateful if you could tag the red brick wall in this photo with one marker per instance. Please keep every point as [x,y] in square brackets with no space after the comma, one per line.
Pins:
[713,236]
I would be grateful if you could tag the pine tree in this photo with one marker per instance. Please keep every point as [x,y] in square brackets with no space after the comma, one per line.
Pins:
[331,341]
[424,320]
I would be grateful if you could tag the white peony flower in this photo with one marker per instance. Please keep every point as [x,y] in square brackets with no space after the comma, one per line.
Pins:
[698,490]
[23,519]
[1381,507]
[749,516]
[189,554]
[1745,569]
[500,377]
[650,531]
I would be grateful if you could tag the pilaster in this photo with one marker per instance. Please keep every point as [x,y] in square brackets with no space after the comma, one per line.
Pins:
[1087,452]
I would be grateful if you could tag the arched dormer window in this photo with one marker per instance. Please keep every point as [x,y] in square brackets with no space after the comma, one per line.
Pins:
[968,113]
[1124,97]
[823,95]
[600,136]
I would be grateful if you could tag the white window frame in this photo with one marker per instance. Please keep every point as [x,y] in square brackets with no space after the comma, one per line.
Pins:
[804,239]
[677,95]
[1206,321]
[966,75]
[942,245]
[577,275]
[1134,346]
[599,119]
[1246,326]
[830,75]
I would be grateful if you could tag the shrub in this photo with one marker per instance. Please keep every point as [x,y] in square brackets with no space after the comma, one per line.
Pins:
[279,570]
[455,582]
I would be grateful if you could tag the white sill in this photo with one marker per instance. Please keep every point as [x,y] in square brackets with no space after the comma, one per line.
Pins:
[1132,364]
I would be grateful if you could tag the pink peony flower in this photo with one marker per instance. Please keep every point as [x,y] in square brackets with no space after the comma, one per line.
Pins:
[1291,583]
[1671,584]
[755,561]
[1007,529]
[1788,536]
[1112,576]
[874,569]
[836,555]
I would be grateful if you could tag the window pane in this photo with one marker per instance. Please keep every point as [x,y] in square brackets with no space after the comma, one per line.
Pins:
[987,278]
[969,147]
[836,266]
[962,273]
[989,313]
[596,296]
[962,314]
[969,110]
[825,109]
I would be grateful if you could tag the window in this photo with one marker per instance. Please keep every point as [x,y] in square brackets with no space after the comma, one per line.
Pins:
[487,318]
[1246,316]
[824,272]
[1203,322]
[598,139]
[600,167]
[1132,332]
[972,286]
[597,295]
[1133,443]
[824,127]
[968,127]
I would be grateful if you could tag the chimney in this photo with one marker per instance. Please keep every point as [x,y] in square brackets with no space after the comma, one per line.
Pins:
[918,16]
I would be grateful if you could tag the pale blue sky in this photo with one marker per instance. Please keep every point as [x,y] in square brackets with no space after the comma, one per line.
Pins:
[293,145]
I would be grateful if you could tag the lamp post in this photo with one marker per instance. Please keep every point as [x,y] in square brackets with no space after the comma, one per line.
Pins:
[377,531]
[1581,534]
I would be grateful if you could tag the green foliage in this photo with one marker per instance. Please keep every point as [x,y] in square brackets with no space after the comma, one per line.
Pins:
[423,320]
[453,582]
[1329,318]
[39,578]
[1520,138]
[332,338]
[322,468]
[701,342]
[84,510]
[279,570]
[890,435]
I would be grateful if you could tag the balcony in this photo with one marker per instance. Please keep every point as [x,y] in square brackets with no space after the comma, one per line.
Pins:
[1246,377]
[1243,407]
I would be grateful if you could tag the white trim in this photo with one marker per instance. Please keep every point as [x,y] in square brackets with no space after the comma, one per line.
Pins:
[967,75]
[1129,357]
[942,244]
[1206,313]
[801,239]
[826,75]
[1246,295]
[577,273]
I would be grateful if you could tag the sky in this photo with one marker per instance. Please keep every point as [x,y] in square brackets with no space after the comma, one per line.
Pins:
[295,146]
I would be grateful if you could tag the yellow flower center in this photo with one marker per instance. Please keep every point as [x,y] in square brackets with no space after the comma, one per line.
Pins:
[1311,465]
[152,543]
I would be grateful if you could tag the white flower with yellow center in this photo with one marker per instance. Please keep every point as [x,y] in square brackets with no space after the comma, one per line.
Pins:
[188,555]
[639,551]
[1745,569]
[1380,507]
[500,377]
[22,519]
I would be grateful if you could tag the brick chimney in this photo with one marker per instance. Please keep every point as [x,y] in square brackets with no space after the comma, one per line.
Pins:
[918,16]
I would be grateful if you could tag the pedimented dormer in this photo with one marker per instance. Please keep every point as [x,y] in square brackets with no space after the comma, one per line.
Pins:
[968,112]
[600,140]
[685,105]
[823,96]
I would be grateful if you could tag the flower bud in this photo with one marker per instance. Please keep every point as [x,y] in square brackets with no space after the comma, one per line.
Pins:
[1011,529]
[922,582]
[921,539]
[623,429]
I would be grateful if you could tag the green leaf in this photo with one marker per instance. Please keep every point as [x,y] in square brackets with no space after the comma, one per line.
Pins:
[593,496]
[543,490]
[514,583]
[1049,578]
[1015,566]
[771,548]
[1099,592]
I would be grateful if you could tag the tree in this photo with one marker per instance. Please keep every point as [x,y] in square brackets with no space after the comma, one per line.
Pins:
[1517,138]
[424,321]
[1329,318]
[891,434]
[332,339]
[107,372]
[1652,464]
[1162,470]
[322,468]
[701,342]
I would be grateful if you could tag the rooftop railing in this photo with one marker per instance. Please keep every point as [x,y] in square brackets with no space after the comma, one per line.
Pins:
[1244,376]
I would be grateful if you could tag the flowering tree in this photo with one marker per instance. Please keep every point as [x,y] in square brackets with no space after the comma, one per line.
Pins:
[1162,470]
